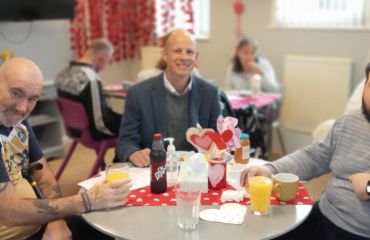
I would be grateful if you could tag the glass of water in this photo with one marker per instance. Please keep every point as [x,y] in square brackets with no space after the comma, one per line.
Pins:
[188,203]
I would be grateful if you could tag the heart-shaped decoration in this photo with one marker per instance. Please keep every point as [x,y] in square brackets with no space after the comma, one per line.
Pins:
[215,174]
[199,138]
[203,142]
[227,135]
[217,140]
[229,213]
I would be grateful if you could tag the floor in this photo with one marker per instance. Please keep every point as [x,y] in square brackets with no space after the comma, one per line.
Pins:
[77,169]
[83,158]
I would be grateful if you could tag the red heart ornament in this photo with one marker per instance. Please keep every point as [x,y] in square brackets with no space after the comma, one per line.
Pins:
[217,139]
[227,135]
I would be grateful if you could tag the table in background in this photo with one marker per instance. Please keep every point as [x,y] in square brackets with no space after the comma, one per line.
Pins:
[267,105]
[114,90]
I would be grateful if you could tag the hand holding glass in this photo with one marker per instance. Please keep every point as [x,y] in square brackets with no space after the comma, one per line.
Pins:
[116,171]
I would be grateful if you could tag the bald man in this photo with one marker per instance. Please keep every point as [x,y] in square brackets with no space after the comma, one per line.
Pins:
[22,215]
[168,104]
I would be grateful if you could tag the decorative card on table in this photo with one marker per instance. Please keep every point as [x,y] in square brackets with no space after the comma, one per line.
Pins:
[232,213]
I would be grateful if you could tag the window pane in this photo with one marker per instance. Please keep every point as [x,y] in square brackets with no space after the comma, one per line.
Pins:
[320,13]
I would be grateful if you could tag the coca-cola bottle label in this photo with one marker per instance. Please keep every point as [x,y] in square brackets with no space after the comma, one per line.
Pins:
[158,170]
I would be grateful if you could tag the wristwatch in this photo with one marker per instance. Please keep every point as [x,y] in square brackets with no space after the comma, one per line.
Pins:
[368,188]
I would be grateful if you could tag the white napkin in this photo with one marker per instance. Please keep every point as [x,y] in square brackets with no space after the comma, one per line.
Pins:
[233,195]
[232,213]
[193,175]
[89,183]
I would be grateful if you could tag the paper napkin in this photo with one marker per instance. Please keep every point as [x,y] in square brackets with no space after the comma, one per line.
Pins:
[231,213]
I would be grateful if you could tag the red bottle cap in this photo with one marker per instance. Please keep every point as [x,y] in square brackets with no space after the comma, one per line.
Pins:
[157,136]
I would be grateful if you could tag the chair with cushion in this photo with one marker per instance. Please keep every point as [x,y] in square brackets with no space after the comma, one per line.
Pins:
[75,119]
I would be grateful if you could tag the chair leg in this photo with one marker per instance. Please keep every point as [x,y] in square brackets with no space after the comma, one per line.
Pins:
[66,160]
[99,160]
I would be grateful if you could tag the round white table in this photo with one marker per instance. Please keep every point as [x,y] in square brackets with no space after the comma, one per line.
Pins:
[160,223]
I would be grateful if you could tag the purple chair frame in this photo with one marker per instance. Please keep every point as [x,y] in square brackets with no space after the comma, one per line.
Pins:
[75,117]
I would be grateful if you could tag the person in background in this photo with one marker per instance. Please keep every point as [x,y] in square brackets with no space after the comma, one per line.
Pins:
[343,211]
[81,82]
[169,103]
[22,215]
[245,64]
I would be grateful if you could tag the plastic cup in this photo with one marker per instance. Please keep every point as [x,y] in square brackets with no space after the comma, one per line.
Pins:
[188,203]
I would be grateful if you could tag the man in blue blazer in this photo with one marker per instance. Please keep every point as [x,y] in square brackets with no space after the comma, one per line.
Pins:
[169,103]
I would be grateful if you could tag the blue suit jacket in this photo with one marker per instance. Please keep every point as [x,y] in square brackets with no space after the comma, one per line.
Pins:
[145,113]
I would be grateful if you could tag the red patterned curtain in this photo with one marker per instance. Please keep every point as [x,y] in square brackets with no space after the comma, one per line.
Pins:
[128,24]
[175,14]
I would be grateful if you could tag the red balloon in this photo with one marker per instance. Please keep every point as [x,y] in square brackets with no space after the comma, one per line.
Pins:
[238,7]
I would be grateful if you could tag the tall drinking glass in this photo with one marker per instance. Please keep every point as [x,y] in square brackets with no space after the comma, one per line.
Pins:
[115,171]
[260,188]
[187,208]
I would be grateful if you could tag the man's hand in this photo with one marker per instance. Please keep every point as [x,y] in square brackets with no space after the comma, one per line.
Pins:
[57,230]
[109,195]
[359,183]
[140,158]
[254,171]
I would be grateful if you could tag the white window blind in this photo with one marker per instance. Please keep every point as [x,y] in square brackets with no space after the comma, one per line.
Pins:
[321,13]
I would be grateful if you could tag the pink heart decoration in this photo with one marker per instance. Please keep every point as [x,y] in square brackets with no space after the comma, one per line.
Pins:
[203,141]
[215,174]
[200,138]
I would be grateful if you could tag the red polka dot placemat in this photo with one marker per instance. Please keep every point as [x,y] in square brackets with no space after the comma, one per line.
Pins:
[143,197]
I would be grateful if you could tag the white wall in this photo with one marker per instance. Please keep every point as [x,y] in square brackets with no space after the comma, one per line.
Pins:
[45,42]
[276,43]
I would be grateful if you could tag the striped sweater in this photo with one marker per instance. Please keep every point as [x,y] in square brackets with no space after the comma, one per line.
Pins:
[344,151]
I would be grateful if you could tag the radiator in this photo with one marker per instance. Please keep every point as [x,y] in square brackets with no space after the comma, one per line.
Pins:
[316,89]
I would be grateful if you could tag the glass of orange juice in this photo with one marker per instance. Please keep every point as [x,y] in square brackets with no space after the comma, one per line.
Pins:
[115,171]
[260,188]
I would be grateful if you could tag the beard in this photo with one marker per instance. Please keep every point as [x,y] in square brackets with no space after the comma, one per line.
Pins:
[10,118]
[365,111]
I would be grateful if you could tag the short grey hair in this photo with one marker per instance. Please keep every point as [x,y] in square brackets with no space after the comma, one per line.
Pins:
[101,44]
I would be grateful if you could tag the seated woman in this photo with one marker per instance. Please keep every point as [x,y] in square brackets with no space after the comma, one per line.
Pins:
[245,64]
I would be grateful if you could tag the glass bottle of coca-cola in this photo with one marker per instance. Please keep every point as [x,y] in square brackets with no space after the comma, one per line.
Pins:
[158,177]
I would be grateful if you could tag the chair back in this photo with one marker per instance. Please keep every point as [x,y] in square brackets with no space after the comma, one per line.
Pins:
[73,114]
[75,117]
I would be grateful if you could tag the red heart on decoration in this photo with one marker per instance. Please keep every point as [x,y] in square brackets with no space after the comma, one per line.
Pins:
[202,141]
[217,139]
[227,135]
